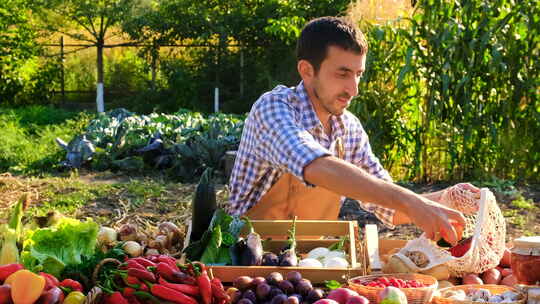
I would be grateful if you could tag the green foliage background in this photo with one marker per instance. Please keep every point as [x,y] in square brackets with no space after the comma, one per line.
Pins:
[450,94]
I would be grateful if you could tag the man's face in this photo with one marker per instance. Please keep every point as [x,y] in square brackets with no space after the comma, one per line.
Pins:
[336,82]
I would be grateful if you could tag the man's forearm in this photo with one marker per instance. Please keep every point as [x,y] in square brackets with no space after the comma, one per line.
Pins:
[346,179]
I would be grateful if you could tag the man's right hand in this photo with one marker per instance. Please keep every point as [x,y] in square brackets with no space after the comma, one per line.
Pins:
[436,220]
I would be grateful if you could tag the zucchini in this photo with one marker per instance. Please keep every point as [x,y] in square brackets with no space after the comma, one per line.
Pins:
[203,206]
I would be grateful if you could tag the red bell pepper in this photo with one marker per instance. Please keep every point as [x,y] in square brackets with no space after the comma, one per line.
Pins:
[50,280]
[72,285]
[8,269]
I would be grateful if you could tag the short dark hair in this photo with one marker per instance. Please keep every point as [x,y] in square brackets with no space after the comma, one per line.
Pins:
[320,33]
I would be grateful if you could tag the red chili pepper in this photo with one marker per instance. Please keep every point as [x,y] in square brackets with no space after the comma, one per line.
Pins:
[461,248]
[128,292]
[133,300]
[171,295]
[204,283]
[144,262]
[176,276]
[50,280]
[142,274]
[71,284]
[134,264]
[147,297]
[168,260]
[132,281]
[116,298]
[8,269]
[218,291]
[185,288]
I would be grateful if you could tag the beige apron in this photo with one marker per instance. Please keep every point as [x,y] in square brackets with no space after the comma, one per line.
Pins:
[289,197]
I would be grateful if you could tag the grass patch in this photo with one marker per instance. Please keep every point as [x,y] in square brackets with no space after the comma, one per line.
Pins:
[27,140]
[521,203]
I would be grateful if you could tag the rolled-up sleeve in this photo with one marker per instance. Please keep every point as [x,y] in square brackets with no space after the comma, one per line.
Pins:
[281,140]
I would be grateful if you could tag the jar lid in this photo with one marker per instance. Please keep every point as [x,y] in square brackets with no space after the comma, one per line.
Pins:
[529,245]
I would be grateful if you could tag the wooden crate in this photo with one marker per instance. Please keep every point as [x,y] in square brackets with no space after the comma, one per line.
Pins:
[309,234]
[374,248]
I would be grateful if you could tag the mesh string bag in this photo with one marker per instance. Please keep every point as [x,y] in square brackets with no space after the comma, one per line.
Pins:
[484,223]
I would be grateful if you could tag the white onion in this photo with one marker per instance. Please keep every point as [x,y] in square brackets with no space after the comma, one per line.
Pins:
[318,253]
[336,262]
[310,263]
[107,236]
[335,254]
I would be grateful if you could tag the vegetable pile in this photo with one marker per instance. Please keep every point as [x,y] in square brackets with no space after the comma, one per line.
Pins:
[184,143]
[158,278]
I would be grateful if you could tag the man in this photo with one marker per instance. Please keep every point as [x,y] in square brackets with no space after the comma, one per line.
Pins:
[302,152]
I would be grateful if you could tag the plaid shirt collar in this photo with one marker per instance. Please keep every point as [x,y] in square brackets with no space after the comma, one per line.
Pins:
[310,120]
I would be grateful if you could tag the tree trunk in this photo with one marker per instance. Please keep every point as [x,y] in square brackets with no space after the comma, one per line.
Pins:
[99,89]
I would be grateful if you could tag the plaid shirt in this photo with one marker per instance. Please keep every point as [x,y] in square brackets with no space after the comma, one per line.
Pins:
[282,133]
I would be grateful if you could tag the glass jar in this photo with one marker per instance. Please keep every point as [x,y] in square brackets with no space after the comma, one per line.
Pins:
[526,260]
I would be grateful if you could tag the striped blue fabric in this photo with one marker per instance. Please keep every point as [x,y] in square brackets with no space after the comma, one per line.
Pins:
[282,134]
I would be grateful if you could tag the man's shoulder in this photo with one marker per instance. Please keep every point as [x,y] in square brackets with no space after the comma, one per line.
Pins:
[281,95]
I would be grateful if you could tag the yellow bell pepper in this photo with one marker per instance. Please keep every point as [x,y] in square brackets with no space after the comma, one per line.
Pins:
[75,297]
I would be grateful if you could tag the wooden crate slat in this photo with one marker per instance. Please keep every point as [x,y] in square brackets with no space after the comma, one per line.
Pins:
[315,275]
[303,227]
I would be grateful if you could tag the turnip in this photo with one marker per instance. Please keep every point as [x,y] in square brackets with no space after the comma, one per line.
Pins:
[341,295]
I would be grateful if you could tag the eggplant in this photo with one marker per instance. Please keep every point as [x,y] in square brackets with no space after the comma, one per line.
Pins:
[203,206]
[252,255]
[288,256]
[270,259]
[237,250]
